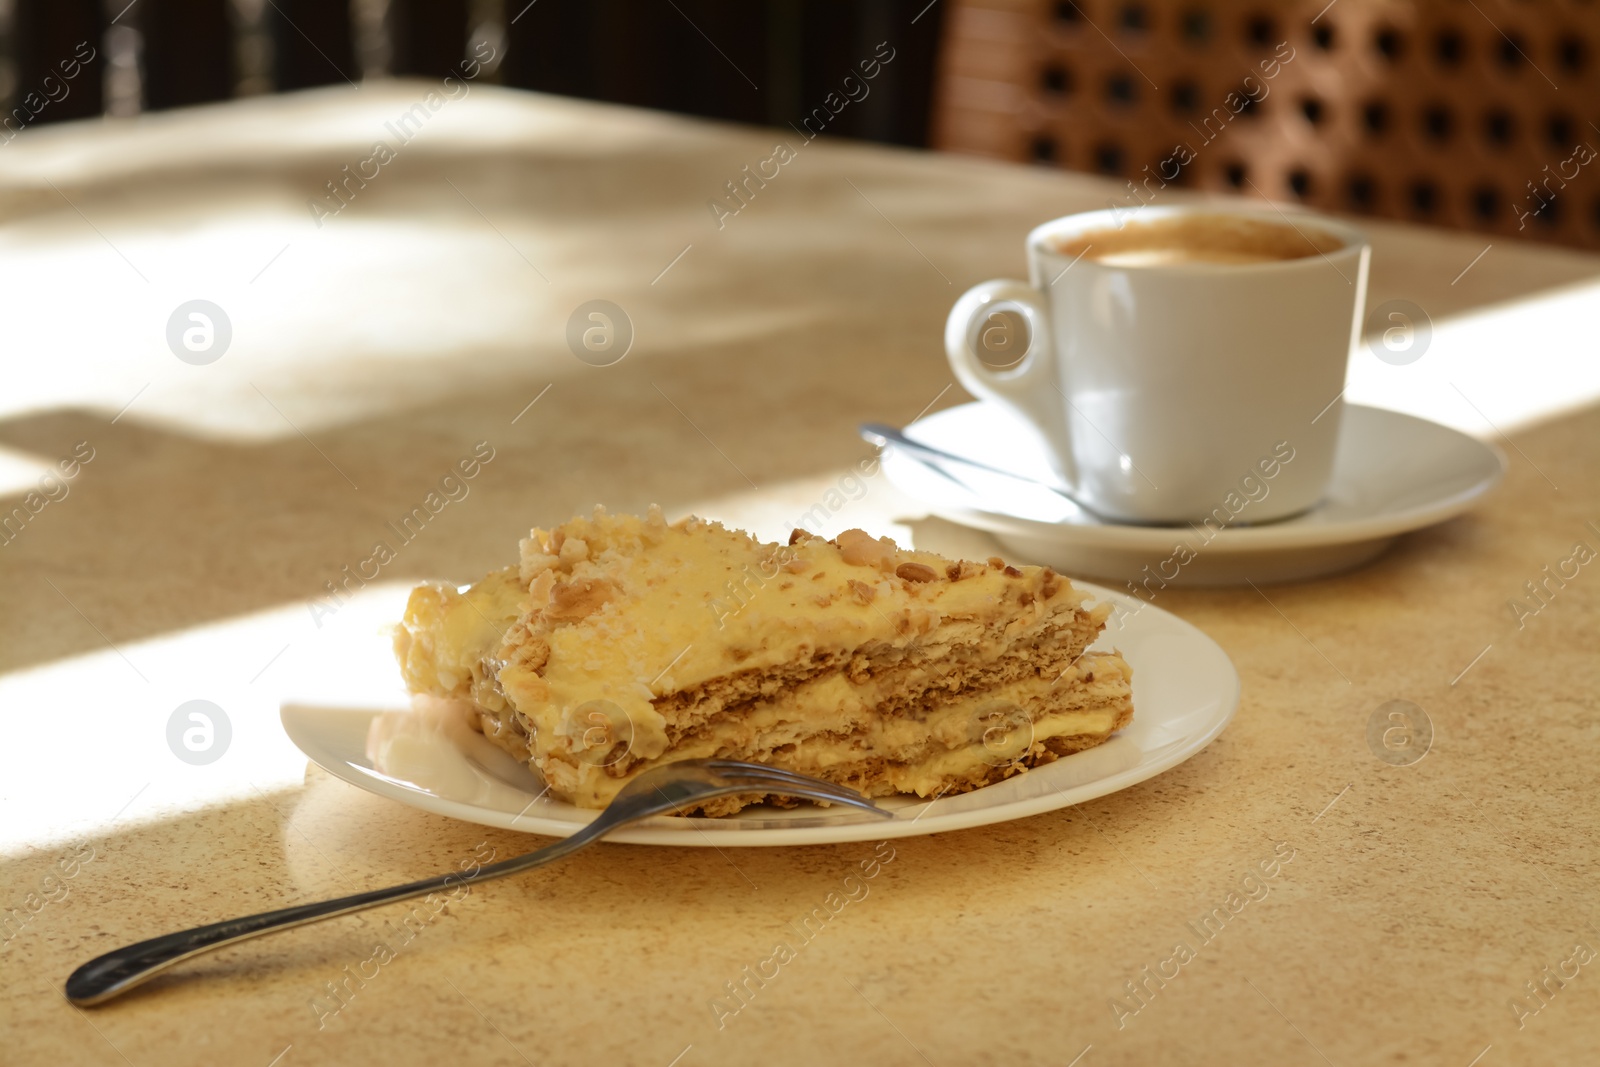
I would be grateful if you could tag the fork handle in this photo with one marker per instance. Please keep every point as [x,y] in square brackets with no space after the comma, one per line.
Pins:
[118,971]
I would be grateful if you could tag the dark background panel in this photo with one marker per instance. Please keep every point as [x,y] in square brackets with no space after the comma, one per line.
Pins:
[428,37]
[768,63]
[773,62]
[838,35]
[47,34]
[312,43]
[188,51]
[548,47]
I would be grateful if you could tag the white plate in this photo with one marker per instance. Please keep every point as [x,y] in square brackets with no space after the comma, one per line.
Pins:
[1392,473]
[1184,692]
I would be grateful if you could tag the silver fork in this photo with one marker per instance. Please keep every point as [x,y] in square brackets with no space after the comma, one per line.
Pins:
[672,787]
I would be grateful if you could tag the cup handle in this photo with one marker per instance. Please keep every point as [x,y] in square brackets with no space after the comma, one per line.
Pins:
[1029,389]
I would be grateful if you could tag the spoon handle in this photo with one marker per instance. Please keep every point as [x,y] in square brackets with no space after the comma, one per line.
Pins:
[885,436]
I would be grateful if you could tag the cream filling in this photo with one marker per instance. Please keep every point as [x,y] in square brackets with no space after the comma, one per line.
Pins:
[935,772]
[447,634]
[589,788]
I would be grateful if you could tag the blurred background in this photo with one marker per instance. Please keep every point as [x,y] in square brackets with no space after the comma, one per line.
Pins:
[1469,114]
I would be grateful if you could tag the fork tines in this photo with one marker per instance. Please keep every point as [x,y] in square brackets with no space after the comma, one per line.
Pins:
[776,779]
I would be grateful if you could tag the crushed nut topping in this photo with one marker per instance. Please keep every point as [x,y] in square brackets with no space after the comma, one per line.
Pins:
[1048,587]
[861,549]
[578,599]
[963,569]
[916,572]
[574,550]
[532,652]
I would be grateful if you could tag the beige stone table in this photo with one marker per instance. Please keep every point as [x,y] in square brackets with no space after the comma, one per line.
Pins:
[373,346]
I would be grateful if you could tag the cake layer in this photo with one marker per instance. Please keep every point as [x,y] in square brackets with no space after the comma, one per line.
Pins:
[952,658]
[830,728]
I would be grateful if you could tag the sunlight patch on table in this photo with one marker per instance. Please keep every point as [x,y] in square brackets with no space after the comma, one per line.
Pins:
[1511,365]
[90,748]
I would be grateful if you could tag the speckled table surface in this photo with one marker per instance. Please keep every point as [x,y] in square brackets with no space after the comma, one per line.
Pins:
[1441,912]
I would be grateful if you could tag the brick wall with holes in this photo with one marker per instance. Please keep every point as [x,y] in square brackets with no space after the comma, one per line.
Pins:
[1475,114]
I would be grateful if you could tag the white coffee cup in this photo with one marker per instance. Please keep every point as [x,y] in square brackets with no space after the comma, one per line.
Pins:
[1166,389]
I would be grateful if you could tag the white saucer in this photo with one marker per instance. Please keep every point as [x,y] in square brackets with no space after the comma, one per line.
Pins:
[1393,473]
[352,717]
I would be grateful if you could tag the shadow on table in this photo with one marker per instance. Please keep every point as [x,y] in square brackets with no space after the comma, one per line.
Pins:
[162,532]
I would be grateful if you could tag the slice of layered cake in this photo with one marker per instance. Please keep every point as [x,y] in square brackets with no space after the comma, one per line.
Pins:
[620,643]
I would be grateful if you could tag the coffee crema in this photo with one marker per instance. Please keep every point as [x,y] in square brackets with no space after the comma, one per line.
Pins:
[1197,238]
